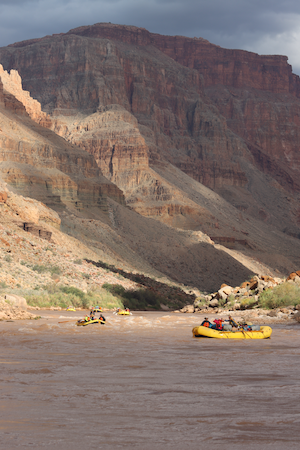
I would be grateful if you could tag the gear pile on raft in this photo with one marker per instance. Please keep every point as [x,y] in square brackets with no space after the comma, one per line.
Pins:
[232,330]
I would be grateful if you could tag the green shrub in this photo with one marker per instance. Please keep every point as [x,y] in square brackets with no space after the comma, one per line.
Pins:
[116,289]
[248,303]
[139,299]
[285,294]
[42,269]
[231,300]
[39,268]
[8,258]
[55,270]
[78,261]
[63,296]
[222,301]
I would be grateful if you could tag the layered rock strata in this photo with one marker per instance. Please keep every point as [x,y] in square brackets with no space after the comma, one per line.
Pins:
[39,163]
[142,104]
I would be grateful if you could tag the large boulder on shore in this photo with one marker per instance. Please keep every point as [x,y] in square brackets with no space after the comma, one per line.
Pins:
[16,301]
[188,309]
[9,311]
[214,303]
[297,316]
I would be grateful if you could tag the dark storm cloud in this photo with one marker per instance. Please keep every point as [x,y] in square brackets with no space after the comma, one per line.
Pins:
[262,26]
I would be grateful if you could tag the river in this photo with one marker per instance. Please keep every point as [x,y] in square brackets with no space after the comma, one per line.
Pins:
[143,382]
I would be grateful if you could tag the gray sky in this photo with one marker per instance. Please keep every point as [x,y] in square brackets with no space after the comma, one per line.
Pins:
[261,26]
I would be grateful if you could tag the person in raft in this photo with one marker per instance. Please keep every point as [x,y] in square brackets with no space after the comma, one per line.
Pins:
[92,317]
[101,317]
[218,324]
[232,322]
[206,323]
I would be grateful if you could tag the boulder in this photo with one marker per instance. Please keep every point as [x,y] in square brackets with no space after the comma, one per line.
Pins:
[297,280]
[9,311]
[222,295]
[226,289]
[164,307]
[285,310]
[261,286]
[272,313]
[214,303]
[202,307]
[3,197]
[268,279]
[291,276]
[16,301]
[297,316]
[187,309]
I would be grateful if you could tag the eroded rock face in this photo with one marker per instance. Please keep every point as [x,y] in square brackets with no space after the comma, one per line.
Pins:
[204,108]
[217,65]
[12,84]
[144,105]
[112,136]
[40,164]
[165,97]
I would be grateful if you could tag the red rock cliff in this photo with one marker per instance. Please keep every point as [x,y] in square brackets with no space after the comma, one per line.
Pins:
[217,65]
[217,114]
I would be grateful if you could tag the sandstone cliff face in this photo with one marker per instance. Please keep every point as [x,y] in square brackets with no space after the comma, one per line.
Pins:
[39,163]
[164,96]
[217,65]
[139,102]
[112,136]
[12,84]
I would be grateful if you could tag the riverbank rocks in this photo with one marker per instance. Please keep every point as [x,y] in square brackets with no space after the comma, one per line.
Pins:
[164,307]
[16,301]
[214,303]
[187,309]
[245,297]
[8,311]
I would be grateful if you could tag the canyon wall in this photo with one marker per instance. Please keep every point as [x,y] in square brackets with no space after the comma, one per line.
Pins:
[217,65]
[137,101]
[40,164]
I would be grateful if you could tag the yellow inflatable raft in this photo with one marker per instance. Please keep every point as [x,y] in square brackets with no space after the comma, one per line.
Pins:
[123,312]
[89,322]
[70,308]
[263,333]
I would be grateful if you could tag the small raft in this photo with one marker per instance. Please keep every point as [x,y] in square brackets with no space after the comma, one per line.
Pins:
[123,312]
[263,333]
[97,309]
[89,322]
[71,309]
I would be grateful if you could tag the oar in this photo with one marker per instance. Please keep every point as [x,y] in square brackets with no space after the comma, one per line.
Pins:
[244,331]
[65,321]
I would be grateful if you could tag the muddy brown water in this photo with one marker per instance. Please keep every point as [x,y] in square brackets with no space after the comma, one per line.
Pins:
[143,382]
